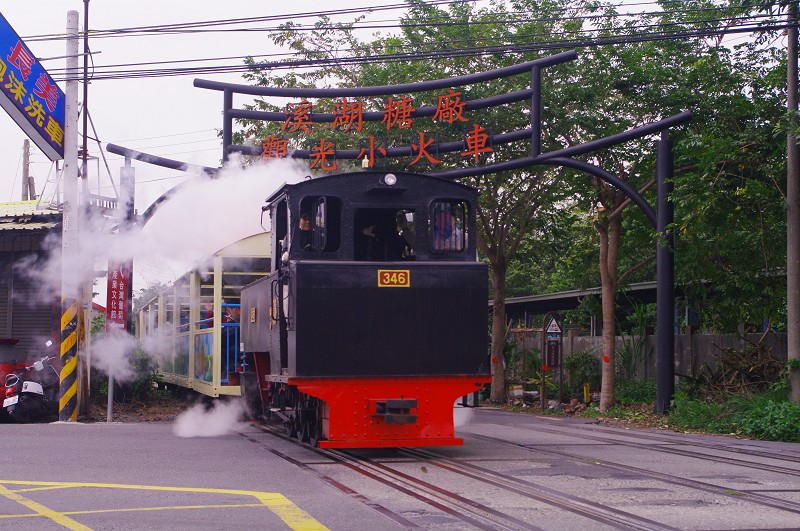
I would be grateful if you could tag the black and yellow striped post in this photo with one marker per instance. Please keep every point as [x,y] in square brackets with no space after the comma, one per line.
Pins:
[68,395]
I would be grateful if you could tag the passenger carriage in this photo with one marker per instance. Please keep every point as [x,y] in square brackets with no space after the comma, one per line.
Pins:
[193,327]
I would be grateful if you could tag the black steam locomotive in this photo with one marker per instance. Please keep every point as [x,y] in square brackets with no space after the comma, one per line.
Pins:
[372,321]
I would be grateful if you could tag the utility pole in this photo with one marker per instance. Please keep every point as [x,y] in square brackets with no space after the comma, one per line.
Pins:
[85,109]
[26,165]
[68,390]
[85,287]
[792,211]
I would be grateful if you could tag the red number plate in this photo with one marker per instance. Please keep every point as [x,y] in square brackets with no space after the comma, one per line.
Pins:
[394,278]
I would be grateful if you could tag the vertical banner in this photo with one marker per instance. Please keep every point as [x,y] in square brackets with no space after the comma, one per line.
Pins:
[29,95]
[118,295]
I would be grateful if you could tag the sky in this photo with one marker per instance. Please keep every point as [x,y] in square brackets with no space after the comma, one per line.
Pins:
[165,116]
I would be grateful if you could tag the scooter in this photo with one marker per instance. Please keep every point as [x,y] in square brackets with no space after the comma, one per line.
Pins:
[32,392]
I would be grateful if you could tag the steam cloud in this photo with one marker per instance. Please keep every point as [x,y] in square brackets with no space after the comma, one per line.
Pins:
[203,216]
[462,416]
[221,419]
[112,355]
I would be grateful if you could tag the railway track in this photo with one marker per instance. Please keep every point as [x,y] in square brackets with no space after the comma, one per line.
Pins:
[670,445]
[706,444]
[419,483]
[751,496]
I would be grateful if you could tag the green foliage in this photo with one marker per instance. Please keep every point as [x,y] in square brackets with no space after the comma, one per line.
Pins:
[763,416]
[704,415]
[548,377]
[146,294]
[520,362]
[635,391]
[746,394]
[634,350]
[98,325]
[144,386]
[774,421]
[581,368]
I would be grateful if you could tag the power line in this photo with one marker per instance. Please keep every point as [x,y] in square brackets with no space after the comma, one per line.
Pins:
[438,54]
[164,136]
[749,24]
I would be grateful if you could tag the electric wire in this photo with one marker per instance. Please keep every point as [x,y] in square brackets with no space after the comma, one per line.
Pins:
[111,67]
[434,54]
[749,24]
[187,27]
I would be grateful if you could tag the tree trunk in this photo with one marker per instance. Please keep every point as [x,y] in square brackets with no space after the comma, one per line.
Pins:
[608,364]
[498,336]
[609,252]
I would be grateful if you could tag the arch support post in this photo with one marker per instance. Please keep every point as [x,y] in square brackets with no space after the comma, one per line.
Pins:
[227,123]
[665,274]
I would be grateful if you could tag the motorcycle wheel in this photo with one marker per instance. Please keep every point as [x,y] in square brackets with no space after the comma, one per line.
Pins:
[18,412]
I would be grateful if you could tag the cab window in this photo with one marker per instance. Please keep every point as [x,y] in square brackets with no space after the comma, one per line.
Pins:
[384,234]
[448,223]
[321,218]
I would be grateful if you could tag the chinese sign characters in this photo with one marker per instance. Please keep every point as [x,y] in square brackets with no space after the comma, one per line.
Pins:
[29,95]
[118,295]
[397,114]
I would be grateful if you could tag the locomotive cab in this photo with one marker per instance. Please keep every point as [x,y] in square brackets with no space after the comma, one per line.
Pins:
[372,321]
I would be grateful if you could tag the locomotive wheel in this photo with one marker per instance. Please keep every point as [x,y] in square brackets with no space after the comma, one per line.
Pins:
[291,425]
[314,432]
[311,425]
[298,427]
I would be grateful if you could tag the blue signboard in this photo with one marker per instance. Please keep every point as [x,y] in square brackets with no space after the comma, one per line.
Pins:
[29,95]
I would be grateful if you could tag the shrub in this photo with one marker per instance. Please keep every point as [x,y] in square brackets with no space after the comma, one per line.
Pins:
[581,368]
[765,416]
[143,387]
[706,415]
[635,391]
[775,421]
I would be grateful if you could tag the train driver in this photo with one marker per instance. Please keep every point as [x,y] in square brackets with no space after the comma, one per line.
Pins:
[304,234]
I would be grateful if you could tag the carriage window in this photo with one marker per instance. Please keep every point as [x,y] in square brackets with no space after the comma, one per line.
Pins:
[384,234]
[448,226]
[320,223]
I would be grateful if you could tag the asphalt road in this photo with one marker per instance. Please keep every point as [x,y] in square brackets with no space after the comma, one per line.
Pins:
[514,472]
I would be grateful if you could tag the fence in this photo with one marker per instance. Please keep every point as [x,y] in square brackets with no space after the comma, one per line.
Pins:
[691,350]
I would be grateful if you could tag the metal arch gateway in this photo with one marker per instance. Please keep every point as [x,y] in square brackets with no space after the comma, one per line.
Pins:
[661,217]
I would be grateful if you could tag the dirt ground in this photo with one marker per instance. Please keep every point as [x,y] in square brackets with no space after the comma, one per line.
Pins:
[159,410]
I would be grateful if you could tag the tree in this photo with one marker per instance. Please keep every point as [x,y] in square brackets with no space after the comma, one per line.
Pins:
[510,201]
[728,192]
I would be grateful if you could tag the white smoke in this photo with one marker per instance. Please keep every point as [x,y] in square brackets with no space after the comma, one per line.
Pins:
[202,216]
[205,214]
[462,416]
[221,419]
[111,354]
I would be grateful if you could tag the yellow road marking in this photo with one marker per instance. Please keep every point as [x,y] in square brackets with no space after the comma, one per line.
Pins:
[291,514]
[56,487]
[141,509]
[41,510]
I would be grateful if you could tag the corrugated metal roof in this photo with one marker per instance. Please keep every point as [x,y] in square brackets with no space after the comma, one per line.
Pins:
[27,215]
